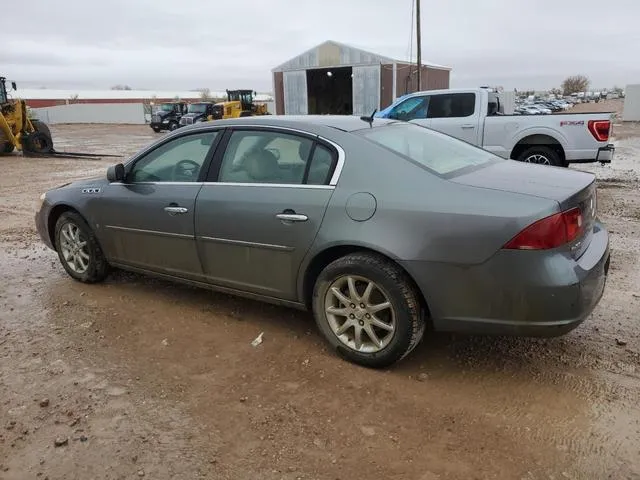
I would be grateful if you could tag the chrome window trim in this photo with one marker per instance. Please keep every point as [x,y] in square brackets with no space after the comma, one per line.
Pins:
[229,184]
[209,128]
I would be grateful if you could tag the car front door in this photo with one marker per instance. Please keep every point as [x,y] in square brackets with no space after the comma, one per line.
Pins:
[147,220]
[258,217]
[456,114]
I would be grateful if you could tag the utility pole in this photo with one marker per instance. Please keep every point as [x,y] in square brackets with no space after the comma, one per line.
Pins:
[419,42]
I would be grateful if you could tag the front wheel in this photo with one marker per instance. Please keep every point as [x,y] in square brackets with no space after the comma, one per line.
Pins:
[173,126]
[541,155]
[78,249]
[368,310]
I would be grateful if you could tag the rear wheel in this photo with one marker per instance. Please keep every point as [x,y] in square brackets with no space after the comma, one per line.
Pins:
[156,129]
[368,310]
[173,126]
[78,249]
[42,127]
[541,155]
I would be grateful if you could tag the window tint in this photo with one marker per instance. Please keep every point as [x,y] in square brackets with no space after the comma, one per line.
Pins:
[410,109]
[265,157]
[320,167]
[439,153]
[452,105]
[179,160]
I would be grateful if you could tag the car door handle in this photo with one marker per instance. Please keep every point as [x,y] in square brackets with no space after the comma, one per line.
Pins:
[292,217]
[468,125]
[175,210]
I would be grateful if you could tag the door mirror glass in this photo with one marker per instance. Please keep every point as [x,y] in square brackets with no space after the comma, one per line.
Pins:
[115,173]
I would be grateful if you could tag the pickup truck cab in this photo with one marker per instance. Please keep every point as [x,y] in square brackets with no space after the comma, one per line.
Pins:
[473,115]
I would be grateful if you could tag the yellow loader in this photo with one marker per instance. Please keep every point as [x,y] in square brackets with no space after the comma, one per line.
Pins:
[17,130]
[239,104]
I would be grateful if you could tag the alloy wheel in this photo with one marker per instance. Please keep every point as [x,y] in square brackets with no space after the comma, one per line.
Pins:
[74,248]
[360,314]
[538,158]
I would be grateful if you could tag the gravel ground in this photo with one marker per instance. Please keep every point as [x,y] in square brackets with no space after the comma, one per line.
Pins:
[138,378]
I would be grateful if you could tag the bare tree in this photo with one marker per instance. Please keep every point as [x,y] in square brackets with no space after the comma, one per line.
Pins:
[555,91]
[121,87]
[575,84]
[205,94]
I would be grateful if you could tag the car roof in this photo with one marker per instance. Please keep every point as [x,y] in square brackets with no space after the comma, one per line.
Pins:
[346,123]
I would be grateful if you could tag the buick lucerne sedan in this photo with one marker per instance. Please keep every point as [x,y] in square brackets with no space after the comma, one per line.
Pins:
[382,228]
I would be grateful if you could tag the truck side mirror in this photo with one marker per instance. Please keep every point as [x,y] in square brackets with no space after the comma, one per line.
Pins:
[14,86]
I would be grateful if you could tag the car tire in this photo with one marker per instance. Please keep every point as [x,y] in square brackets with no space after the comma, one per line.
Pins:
[541,155]
[339,322]
[173,126]
[156,129]
[78,249]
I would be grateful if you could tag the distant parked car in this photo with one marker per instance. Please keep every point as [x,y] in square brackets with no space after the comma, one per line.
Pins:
[380,227]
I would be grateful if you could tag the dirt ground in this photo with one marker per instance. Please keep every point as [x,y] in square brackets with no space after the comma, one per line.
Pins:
[138,378]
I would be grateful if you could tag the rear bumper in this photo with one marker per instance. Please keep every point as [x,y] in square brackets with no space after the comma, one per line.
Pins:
[603,155]
[522,293]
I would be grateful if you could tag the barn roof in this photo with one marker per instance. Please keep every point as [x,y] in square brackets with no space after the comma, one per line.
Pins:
[334,54]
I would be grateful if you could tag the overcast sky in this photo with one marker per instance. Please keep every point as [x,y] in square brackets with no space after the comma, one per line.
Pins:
[187,44]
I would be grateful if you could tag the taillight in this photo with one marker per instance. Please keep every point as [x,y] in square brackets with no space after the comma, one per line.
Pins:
[550,232]
[600,129]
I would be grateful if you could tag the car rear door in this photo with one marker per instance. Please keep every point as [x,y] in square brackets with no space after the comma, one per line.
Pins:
[147,221]
[261,209]
[456,114]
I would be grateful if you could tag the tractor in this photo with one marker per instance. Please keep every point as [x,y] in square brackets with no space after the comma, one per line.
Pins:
[239,104]
[17,130]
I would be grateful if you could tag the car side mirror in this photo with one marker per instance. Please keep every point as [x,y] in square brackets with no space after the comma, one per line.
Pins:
[115,173]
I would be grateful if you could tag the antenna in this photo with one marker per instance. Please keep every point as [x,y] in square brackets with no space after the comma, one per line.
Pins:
[369,119]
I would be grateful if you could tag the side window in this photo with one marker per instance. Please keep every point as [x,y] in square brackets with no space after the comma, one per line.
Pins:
[321,166]
[179,160]
[411,109]
[452,105]
[265,157]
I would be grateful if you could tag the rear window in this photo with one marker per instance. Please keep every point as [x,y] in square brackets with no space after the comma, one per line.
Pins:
[439,153]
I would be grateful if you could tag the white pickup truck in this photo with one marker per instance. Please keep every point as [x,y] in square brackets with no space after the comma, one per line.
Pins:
[474,115]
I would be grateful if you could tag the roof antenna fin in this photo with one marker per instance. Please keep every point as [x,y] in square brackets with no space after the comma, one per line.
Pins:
[369,119]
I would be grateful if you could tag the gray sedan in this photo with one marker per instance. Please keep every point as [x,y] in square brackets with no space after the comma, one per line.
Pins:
[381,229]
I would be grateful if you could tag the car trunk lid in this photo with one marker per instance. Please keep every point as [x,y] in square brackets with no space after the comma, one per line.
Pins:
[569,188]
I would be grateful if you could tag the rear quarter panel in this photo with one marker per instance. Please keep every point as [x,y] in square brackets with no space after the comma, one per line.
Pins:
[420,216]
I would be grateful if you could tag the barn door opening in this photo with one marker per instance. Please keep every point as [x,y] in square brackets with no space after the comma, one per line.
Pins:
[330,91]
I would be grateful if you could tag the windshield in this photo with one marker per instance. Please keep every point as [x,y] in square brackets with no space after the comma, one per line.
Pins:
[437,152]
[166,107]
[197,108]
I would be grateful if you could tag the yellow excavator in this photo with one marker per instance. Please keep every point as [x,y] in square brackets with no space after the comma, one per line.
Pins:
[239,103]
[17,130]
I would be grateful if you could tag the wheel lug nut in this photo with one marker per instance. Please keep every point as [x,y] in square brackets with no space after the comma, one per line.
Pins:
[361,323]
[352,316]
[368,316]
[362,305]
[353,305]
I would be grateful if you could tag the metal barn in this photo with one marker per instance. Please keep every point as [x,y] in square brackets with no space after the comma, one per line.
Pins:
[308,83]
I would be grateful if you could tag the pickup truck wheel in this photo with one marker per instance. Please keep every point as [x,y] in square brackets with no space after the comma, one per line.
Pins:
[173,126]
[156,129]
[542,156]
